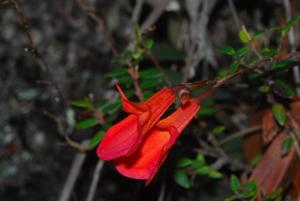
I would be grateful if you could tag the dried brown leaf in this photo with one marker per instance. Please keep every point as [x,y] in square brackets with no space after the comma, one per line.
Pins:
[269,127]
[275,171]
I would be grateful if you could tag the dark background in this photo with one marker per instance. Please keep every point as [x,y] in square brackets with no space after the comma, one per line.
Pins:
[35,160]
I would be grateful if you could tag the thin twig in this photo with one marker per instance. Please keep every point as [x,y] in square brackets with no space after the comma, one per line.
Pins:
[32,47]
[239,134]
[62,130]
[137,11]
[162,192]
[95,181]
[216,83]
[292,42]
[222,158]
[157,65]
[102,26]
[234,14]
[158,10]
[72,177]
[133,71]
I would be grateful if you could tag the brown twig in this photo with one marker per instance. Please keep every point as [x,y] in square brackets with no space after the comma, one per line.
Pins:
[157,65]
[222,158]
[62,130]
[216,83]
[32,47]
[132,70]
[134,73]
[102,26]
[239,134]
[234,163]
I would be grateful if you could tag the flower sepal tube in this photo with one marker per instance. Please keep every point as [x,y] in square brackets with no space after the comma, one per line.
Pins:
[123,138]
[147,159]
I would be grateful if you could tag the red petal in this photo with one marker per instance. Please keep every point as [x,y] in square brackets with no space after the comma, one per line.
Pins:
[121,139]
[182,116]
[173,137]
[158,105]
[142,163]
[129,106]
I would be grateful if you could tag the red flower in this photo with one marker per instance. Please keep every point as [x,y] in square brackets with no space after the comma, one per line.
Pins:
[123,138]
[147,159]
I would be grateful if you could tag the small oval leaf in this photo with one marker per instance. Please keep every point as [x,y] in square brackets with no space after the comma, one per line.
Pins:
[279,114]
[182,179]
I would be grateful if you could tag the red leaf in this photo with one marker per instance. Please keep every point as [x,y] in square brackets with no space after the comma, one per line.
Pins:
[253,143]
[269,127]
[275,171]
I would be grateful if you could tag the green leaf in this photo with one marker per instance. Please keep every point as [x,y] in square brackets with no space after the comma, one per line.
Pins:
[218,130]
[268,52]
[184,162]
[232,198]
[148,93]
[282,64]
[110,107]
[286,146]
[94,141]
[87,123]
[130,93]
[290,24]
[279,114]
[150,73]
[118,72]
[250,190]
[196,164]
[242,52]
[287,89]
[125,79]
[223,72]
[235,184]
[205,111]
[226,49]
[253,75]
[214,174]
[137,34]
[275,195]
[137,55]
[100,103]
[234,66]
[264,89]
[149,43]
[258,34]
[203,170]
[85,103]
[182,179]
[150,83]
[256,160]
[166,51]
[244,35]
[200,157]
